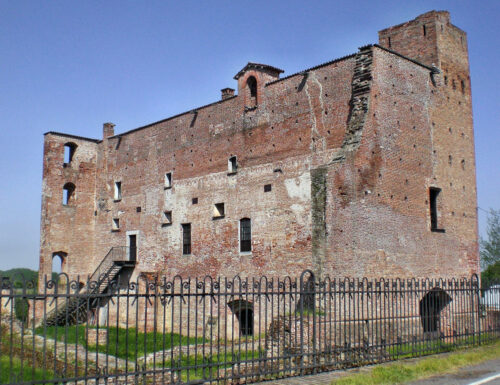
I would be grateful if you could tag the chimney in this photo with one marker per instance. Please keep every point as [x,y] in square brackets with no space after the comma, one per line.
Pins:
[227,93]
[108,129]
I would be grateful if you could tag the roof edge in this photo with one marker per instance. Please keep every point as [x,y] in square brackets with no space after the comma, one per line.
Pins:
[72,136]
[315,67]
[172,117]
[432,69]
[251,65]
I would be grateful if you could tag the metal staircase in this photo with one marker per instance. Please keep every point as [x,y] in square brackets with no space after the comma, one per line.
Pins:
[74,308]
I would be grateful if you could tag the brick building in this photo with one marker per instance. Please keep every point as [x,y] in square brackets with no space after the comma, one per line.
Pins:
[362,166]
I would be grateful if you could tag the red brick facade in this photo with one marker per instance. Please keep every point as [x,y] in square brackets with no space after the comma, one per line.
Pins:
[350,149]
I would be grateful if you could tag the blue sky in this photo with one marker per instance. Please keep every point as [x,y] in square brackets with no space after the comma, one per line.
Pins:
[70,66]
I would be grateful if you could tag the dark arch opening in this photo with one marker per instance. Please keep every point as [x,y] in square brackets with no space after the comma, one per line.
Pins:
[243,310]
[252,85]
[430,308]
[58,262]
[68,193]
[69,152]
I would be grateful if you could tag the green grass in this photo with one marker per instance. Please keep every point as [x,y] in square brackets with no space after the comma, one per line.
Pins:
[123,343]
[26,374]
[398,373]
[212,364]
[409,350]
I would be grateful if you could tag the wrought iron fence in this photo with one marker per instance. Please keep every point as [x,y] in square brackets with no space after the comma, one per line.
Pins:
[194,331]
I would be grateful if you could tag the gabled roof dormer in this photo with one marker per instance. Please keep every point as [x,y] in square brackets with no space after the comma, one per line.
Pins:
[251,80]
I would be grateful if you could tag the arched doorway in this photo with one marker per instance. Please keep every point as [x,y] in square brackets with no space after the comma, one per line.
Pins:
[430,308]
[243,311]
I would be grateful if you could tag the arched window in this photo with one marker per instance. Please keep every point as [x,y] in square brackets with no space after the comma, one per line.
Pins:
[252,85]
[58,262]
[68,193]
[245,235]
[69,151]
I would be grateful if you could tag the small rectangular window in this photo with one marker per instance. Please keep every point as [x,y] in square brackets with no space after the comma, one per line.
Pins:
[219,210]
[267,187]
[168,180]
[433,206]
[245,235]
[118,191]
[232,165]
[194,201]
[116,224]
[186,238]
[69,151]
[167,218]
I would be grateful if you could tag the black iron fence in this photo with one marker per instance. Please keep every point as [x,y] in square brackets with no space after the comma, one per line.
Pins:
[194,331]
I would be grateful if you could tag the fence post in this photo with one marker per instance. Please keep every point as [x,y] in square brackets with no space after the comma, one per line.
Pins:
[306,306]
[477,310]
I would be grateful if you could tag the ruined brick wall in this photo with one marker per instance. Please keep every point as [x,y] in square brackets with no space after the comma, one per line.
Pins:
[277,143]
[67,229]
[450,111]
[350,149]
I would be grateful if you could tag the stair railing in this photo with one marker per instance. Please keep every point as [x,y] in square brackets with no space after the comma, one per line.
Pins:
[115,254]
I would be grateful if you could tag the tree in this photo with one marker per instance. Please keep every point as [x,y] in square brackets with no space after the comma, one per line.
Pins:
[490,248]
[491,275]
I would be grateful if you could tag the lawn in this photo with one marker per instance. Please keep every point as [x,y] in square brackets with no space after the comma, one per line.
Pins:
[401,372]
[19,375]
[199,367]
[123,343]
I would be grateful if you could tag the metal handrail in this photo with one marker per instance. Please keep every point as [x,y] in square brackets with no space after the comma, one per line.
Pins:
[115,254]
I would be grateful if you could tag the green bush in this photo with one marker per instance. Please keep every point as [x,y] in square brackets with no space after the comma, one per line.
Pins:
[21,309]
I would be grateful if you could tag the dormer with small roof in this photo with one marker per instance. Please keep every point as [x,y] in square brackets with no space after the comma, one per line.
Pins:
[251,80]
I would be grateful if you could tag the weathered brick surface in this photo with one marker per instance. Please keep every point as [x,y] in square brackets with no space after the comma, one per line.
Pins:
[350,148]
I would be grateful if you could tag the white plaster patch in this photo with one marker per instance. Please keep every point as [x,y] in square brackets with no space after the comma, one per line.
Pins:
[299,212]
[300,187]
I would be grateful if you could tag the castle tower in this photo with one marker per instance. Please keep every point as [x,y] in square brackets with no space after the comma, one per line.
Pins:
[432,40]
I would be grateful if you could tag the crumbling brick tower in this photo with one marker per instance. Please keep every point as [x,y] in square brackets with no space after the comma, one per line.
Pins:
[434,41]
[362,166]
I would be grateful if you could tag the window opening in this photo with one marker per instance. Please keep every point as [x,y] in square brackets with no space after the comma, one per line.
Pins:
[58,262]
[424,30]
[232,165]
[68,193]
[132,242]
[389,39]
[462,84]
[194,201]
[116,224]
[252,85]
[186,238]
[219,210]
[69,152]
[168,180]
[118,191]
[245,235]
[433,203]
[167,218]
[267,187]
[138,209]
